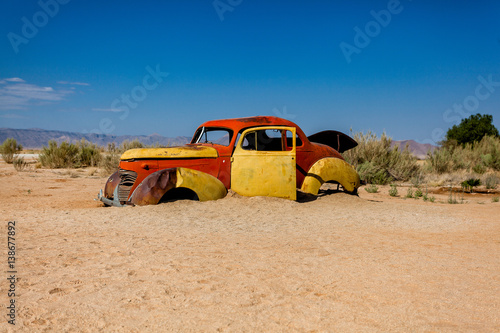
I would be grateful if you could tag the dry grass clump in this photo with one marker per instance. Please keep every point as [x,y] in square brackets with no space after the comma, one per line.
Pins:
[20,164]
[491,181]
[378,163]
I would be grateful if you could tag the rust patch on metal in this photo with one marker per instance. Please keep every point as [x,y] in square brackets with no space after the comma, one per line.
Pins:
[152,189]
[111,184]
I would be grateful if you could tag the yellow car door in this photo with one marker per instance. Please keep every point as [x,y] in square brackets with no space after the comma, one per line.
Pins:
[264,162]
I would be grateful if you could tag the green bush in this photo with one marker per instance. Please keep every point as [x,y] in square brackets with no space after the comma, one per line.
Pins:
[418,193]
[8,149]
[393,191]
[371,188]
[378,163]
[63,156]
[472,129]
[409,193]
[470,183]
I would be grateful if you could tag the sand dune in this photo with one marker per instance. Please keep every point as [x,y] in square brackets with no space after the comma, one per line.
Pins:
[338,263]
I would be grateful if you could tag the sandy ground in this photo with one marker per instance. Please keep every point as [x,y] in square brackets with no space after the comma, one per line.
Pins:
[340,263]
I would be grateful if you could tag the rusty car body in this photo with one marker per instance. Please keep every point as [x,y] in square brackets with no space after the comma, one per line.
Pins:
[254,156]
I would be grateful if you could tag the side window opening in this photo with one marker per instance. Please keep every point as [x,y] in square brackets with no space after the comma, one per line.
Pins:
[289,141]
[267,140]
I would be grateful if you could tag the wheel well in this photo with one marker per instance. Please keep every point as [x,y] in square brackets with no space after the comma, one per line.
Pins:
[179,193]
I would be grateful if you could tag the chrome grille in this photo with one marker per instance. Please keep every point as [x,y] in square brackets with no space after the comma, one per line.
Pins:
[127,180]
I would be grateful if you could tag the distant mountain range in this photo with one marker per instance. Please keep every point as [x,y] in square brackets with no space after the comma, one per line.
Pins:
[418,149]
[35,138]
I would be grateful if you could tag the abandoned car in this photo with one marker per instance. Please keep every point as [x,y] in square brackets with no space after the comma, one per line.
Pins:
[255,156]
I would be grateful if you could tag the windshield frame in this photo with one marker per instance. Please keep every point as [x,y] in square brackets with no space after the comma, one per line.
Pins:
[198,135]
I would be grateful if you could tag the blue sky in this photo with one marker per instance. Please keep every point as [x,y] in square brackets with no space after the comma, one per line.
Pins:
[411,68]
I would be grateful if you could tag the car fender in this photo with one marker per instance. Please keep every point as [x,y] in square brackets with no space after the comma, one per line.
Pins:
[111,184]
[153,187]
[330,169]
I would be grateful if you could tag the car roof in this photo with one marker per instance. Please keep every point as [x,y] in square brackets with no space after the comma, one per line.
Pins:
[239,123]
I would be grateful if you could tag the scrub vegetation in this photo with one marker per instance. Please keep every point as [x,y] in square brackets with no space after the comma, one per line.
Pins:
[9,149]
[378,163]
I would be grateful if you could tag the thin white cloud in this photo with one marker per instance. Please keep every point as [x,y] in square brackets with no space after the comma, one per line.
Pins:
[107,110]
[74,83]
[15,94]
[14,79]
[12,116]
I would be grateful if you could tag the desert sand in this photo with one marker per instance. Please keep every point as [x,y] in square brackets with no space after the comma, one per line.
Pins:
[340,263]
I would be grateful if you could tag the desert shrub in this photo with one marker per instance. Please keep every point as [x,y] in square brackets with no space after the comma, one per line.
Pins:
[452,197]
[417,179]
[126,145]
[409,193]
[478,156]
[372,173]
[439,160]
[393,191]
[479,168]
[487,152]
[378,163]
[491,182]
[89,154]
[418,193]
[495,199]
[371,188]
[20,164]
[62,156]
[425,196]
[111,159]
[9,148]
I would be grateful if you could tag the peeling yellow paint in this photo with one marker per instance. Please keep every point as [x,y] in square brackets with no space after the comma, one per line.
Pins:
[207,187]
[172,152]
[330,169]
